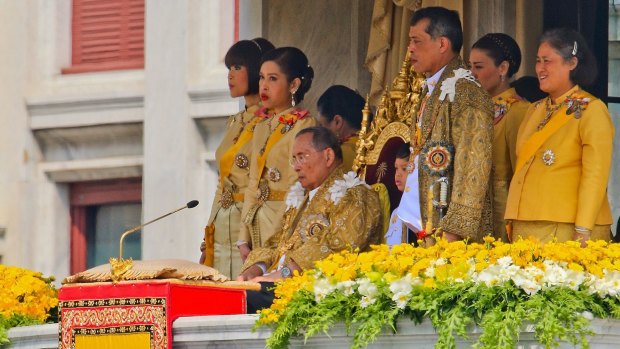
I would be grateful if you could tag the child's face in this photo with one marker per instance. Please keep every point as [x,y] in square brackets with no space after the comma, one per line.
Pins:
[400,177]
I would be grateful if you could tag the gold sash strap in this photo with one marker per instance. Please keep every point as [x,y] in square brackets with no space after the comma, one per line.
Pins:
[535,141]
[274,137]
[226,162]
[209,241]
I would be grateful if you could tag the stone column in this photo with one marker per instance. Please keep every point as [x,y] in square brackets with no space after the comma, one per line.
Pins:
[170,136]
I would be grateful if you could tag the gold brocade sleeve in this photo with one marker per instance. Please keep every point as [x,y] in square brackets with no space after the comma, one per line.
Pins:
[266,254]
[354,221]
[472,135]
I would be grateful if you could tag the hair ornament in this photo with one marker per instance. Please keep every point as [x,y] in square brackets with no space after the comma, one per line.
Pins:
[257,45]
[575,47]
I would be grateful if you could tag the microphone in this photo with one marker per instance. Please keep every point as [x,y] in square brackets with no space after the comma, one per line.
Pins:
[190,204]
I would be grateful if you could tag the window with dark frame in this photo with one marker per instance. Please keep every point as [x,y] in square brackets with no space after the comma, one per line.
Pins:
[100,212]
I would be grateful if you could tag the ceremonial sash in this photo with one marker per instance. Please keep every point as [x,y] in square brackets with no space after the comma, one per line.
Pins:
[226,162]
[274,138]
[535,141]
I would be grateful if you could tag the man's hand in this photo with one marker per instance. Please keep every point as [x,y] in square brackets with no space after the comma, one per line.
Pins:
[244,251]
[270,277]
[250,273]
[451,237]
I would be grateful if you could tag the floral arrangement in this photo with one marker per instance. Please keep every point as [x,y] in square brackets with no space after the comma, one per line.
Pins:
[557,287]
[26,298]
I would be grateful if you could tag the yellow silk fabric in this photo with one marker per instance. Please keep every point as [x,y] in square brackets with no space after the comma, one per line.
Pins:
[139,340]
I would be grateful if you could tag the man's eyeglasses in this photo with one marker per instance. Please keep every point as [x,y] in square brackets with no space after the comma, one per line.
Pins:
[299,159]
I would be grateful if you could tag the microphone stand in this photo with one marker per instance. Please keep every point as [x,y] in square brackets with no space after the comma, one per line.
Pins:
[120,266]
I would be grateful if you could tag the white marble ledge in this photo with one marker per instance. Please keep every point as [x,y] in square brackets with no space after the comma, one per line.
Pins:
[34,337]
[235,331]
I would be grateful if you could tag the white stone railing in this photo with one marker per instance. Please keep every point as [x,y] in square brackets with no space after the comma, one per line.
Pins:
[234,331]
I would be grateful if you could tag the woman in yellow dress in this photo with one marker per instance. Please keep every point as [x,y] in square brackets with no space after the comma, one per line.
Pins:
[218,249]
[285,77]
[340,110]
[564,150]
[494,59]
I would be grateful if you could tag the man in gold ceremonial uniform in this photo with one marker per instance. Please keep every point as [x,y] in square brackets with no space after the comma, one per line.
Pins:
[453,133]
[327,211]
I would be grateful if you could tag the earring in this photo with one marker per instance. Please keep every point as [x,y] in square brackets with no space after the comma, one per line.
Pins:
[502,77]
[293,98]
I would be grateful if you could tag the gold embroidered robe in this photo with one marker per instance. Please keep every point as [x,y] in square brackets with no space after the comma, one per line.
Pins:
[261,217]
[510,110]
[466,124]
[226,214]
[572,187]
[321,227]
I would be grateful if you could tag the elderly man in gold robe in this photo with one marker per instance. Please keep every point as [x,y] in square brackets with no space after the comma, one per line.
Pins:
[327,211]
[452,138]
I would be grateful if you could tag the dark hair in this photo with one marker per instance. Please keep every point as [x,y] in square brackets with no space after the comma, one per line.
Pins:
[248,53]
[323,138]
[501,47]
[528,87]
[403,151]
[568,44]
[442,22]
[343,101]
[294,64]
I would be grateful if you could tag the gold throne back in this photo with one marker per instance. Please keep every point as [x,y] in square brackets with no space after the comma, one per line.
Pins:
[389,130]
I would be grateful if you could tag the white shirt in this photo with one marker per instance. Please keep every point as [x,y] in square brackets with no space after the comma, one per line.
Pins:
[409,208]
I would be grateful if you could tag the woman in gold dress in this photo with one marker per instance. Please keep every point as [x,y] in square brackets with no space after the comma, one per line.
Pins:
[340,110]
[494,59]
[285,77]
[218,249]
[564,150]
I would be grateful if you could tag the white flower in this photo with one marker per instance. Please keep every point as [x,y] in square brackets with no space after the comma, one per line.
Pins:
[588,315]
[448,86]
[525,279]
[429,272]
[367,288]
[366,301]
[439,261]
[346,287]
[490,275]
[340,186]
[295,196]
[504,262]
[401,290]
[322,288]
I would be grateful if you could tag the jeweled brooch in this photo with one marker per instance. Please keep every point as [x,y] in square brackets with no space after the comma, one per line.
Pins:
[273,174]
[242,161]
[548,157]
